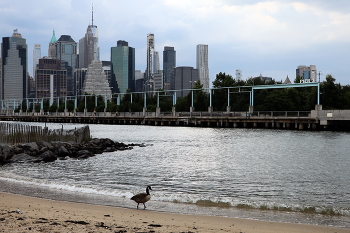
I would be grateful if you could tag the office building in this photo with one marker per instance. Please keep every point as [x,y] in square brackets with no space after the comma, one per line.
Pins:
[123,67]
[14,81]
[308,73]
[66,52]
[79,79]
[202,65]
[96,82]
[139,81]
[36,57]
[169,63]
[89,49]
[52,46]
[51,81]
[184,78]
[150,57]
[158,80]
[107,68]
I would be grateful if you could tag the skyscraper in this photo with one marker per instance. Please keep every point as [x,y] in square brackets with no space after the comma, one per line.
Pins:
[156,64]
[202,65]
[123,67]
[36,57]
[66,52]
[150,57]
[51,81]
[169,63]
[13,84]
[183,78]
[89,49]
[96,81]
[52,46]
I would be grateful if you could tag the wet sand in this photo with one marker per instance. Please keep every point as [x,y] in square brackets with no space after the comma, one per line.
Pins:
[41,215]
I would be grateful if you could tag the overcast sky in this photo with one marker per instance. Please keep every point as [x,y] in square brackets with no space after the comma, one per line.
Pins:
[258,37]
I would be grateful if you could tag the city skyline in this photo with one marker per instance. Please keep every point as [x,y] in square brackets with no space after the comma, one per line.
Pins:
[271,38]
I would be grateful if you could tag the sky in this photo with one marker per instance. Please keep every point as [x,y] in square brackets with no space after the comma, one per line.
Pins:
[270,38]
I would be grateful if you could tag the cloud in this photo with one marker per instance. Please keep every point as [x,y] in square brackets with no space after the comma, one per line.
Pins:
[257,35]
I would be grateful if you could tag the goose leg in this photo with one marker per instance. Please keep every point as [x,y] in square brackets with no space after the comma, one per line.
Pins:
[144,206]
[138,205]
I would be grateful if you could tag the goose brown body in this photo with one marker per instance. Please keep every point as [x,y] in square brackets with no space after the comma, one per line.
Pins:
[142,197]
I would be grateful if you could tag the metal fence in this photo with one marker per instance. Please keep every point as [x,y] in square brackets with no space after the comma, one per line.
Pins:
[12,133]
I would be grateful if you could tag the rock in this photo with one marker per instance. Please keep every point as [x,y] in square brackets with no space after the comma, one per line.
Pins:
[48,156]
[83,154]
[5,153]
[63,152]
[47,145]
[33,146]
[23,158]
[51,151]
[17,150]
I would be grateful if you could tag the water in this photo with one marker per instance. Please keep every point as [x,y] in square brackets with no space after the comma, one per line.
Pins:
[274,175]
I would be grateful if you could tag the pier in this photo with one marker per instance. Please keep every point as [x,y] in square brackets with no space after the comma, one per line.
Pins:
[310,120]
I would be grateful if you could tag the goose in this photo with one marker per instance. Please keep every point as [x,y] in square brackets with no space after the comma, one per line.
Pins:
[142,197]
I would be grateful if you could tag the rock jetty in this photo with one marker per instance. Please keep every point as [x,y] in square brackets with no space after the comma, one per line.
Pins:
[50,151]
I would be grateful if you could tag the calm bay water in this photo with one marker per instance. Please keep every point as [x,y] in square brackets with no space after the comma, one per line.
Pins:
[276,175]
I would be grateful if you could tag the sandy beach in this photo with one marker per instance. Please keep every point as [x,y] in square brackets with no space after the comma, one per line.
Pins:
[28,214]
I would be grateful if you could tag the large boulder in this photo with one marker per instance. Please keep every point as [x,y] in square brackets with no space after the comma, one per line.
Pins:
[63,152]
[84,154]
[48,156]
[23,158]
[5,153]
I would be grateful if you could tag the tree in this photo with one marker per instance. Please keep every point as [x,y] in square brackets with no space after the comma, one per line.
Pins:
[220,95]
[330,93]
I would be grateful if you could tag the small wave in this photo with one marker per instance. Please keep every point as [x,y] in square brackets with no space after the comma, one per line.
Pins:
[330,211]
[212,203]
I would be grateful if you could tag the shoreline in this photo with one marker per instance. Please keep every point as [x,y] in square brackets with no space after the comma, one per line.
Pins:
[38,214]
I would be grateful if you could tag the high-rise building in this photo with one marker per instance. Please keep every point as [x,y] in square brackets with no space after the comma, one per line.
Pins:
[52,46]
[66,52]
[156,63]
[184,78]
[169,63]
[79,79]
[96,81]
[202,65]
[308,73]
[89,49]
[14,82]
[51,81]
[150,57]
[0,70]
[123,67]
[36,57]
[158,80]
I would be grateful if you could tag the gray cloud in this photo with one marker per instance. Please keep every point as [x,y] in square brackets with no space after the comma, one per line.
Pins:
[272,37]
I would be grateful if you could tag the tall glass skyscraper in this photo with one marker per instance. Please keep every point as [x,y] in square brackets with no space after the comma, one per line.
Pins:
[202,65]
[123,67]
[169,62]
[66,52]
[13,84]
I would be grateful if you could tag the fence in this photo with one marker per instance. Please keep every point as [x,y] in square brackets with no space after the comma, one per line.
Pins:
[12,133]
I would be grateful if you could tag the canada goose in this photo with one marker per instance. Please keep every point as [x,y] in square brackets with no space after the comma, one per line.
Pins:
[142,197]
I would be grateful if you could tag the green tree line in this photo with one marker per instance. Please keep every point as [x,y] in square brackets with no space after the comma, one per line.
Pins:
[333,96]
